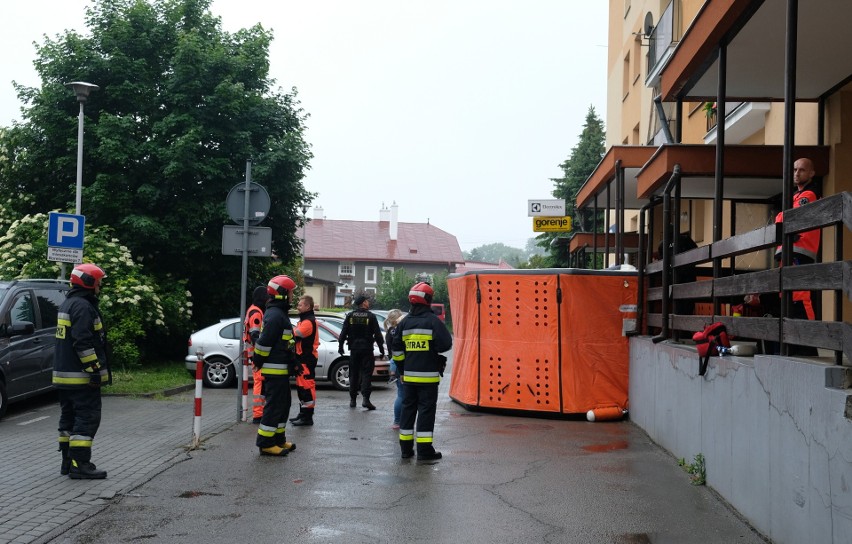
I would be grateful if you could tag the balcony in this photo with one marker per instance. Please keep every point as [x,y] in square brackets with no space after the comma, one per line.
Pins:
[661,44]
[742,119]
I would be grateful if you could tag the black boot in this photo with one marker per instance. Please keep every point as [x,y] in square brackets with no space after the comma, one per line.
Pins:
[352,399]
[298,417]
[428,454]
[85,470]
[66,459]
[407,449]
[306,418]
[367,404]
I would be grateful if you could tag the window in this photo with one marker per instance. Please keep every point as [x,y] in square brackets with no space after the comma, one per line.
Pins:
[637,54]
[23,309]
[370,274]
[49,302]
[625,77]
[370,291]
[306,272]
[346,270]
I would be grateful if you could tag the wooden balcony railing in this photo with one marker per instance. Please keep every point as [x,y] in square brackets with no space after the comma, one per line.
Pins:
[831,333]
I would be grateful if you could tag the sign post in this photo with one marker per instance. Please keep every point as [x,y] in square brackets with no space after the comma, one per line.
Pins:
[248,204]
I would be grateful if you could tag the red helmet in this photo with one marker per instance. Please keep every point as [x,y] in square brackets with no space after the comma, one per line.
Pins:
[280,286]
[421,293]
[87,275]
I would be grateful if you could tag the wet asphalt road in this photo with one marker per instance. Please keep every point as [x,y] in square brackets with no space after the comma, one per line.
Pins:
[503,479]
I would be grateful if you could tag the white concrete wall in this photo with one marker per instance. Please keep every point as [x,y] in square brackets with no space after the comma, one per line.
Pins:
[776,433]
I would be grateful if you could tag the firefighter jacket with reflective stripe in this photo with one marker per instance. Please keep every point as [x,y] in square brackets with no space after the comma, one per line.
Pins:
[273,350]
[418,340]
[307,338]
[361,330]
[251,328]
[804,243]
[80,341]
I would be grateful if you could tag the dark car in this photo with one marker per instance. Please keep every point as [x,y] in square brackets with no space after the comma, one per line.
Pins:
[28,310]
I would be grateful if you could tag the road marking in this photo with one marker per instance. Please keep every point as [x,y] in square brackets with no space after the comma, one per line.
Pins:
[33,420]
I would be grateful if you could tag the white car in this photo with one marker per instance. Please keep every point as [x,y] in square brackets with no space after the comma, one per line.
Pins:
[220,344]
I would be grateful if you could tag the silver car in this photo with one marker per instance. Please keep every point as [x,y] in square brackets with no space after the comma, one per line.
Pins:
[220,344]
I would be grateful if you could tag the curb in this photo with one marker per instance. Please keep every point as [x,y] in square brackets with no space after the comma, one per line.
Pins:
[166,392]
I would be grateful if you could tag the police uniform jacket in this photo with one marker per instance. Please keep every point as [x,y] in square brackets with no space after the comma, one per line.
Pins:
[80,341]
[273,351]
[417,342]
[360,330]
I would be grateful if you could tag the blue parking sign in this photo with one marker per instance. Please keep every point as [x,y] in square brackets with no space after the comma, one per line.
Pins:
[65,230]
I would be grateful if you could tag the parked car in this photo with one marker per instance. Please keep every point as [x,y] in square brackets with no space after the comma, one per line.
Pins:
[220,344]
[28,310]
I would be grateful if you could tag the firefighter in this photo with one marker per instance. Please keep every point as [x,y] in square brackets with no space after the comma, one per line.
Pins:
[274,359]
[307,343]
[418,342]
[251,332]
[361,330]
[79,368]
[805,246]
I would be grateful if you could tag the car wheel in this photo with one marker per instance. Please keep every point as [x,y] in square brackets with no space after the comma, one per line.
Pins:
[4,399]
[218,373]
[338,374]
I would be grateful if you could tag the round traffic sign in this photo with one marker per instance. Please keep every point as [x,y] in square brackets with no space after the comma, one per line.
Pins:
[258,203]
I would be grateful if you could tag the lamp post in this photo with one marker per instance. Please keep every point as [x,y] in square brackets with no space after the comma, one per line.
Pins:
[82,90]
[304,222]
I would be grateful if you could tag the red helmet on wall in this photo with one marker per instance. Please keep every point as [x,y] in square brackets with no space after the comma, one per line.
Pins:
[421,293]
[280,286]
[87,275]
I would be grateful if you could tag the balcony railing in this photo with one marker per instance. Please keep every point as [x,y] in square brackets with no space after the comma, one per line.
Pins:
[662,38]
[832,333]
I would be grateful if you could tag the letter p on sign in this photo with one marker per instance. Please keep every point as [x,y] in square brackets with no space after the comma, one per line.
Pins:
[65,230]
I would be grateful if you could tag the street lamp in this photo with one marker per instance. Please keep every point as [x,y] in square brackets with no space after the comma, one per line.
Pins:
[82,90]
[304,222]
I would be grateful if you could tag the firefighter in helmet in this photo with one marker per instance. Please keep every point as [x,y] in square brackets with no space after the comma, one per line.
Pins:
[418,342]
[251,332]
[79,368]
[275,360]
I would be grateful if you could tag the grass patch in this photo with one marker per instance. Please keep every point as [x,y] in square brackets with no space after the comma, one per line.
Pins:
[149,379]
[697,471]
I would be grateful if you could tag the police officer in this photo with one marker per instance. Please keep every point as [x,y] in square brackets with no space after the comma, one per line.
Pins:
[361,330]
[251,332]
[79,369]
[274,358]
[307,344]
[418,342]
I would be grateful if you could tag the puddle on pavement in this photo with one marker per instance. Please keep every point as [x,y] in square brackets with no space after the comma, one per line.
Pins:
[609,446]
[193,494]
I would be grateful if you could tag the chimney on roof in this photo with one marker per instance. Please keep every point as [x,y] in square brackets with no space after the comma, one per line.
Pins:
[318,211]
[384,214]
[394,217]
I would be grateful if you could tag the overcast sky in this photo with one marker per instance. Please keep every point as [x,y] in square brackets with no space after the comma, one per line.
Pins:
[460,111]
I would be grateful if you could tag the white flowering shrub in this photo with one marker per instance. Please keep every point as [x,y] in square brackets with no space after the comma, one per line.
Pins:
[137,310]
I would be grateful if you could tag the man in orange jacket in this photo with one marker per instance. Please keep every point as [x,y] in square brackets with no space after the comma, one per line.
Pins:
[307,342]
[251,331]
[805,245]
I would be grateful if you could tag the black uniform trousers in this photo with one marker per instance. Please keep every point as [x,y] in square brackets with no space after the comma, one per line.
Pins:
[361,365]
[272,429]
[419,402]
[80,418]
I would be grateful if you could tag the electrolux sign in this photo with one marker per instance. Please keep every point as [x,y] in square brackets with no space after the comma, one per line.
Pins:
[546,208]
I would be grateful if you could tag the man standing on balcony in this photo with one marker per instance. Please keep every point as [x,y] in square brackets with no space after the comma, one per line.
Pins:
[805,245]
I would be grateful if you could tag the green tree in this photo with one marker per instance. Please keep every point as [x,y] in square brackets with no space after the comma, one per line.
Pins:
[393,291]
[493,253]
[143,317]
[182,106]
[584,157]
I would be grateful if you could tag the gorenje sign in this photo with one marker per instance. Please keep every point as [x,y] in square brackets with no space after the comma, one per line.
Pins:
[552,224]
[546,208]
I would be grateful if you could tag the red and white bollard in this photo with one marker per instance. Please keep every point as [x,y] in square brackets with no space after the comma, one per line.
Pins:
[245,405]
[199,382]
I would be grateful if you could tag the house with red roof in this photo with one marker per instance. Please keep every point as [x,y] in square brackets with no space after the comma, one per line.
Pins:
[353,255]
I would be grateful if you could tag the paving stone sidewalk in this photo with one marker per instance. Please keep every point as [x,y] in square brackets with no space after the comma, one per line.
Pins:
[138,439]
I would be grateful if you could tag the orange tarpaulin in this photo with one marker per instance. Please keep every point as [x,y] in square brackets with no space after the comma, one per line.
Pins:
[541,340]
